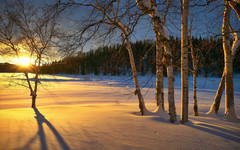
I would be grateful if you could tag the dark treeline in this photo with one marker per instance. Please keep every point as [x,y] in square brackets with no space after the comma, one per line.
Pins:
[113,60]
[6,67]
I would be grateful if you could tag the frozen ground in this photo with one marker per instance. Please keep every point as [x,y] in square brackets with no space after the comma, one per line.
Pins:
[92,112]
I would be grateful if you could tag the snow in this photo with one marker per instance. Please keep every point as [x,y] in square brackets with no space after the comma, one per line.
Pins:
[156,12]
[147,4]
[101,113]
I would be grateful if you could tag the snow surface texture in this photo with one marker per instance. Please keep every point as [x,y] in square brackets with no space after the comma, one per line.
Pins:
[99,112]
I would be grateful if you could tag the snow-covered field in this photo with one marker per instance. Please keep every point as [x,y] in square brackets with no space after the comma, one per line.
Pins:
[99,112]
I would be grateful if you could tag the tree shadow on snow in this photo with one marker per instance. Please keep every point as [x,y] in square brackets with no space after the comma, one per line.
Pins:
[224,131]
[40,120]
[159,117]
[166,120]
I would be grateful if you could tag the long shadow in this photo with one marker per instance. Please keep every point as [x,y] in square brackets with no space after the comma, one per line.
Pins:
[215,130]
[40,120]
[233,135]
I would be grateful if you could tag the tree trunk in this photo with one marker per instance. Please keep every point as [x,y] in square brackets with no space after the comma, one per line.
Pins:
[168,63]
[159,76]
[158,29]
[142,107]
[184,62]
[229,98]
[215,106]
[162,39]
[137,92]
[171,102]
[32,93]
[34,101]
[195,70]
[195,105]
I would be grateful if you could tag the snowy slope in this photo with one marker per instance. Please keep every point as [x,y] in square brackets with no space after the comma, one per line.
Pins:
[92,112]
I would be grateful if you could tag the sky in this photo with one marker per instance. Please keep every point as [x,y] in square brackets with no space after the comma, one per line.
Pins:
[206,22]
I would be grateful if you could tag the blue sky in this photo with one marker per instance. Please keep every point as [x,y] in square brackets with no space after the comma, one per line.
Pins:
[206,22]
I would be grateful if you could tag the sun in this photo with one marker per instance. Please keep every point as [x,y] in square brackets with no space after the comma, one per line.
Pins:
[25,61]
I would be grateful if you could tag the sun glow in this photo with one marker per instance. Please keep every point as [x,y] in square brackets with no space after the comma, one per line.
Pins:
[24,61]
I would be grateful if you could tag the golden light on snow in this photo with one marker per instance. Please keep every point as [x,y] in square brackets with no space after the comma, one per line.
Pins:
[76,114]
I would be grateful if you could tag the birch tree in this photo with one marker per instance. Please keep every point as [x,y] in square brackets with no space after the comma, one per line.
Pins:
[229,55]
[162,40]
[196,52]
[194,71]
[184,61]
[25,26]
[111,13]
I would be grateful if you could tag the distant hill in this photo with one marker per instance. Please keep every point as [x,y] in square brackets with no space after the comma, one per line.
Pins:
[7,67]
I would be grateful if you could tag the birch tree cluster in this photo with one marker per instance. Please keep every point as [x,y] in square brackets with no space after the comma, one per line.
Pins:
[124,16]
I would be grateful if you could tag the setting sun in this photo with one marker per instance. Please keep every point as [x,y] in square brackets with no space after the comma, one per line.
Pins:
[25,61]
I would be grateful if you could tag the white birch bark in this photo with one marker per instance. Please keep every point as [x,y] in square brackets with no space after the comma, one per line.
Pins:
[229,98]
[134,72]
[195,69]
[195,104]
[142,106]
[145,6]
[184,61]
[215,106]
[150,8]
[236,43]
[159,77]
[170,74]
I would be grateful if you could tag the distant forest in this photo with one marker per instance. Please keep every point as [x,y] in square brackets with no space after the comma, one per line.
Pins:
[114,60]
[8,68]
